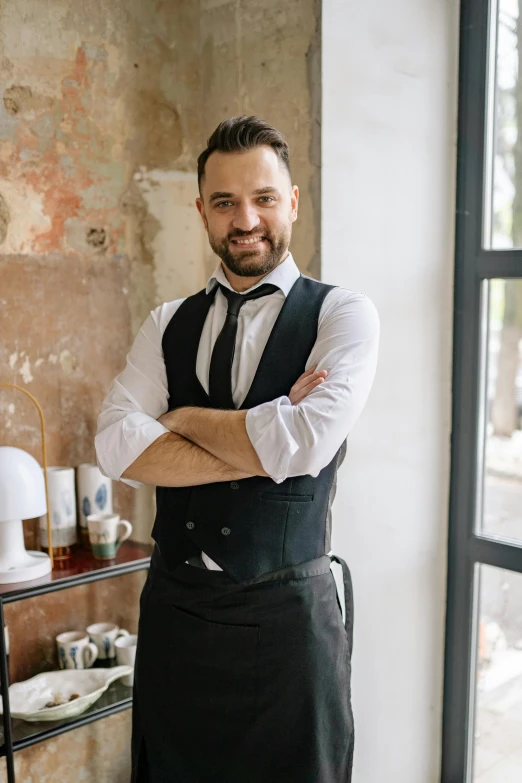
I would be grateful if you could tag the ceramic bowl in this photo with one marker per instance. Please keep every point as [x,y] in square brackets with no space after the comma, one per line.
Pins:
[28,698]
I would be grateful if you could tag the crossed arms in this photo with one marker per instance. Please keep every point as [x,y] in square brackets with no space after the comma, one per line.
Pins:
[137,442]
[206,445]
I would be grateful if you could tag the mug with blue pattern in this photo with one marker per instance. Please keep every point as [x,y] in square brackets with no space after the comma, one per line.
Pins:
[75,650]
[104,635]
[94,496]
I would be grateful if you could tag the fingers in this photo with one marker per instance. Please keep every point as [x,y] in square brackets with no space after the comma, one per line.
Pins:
[303,391]
[304,385]
[315,381]
[308,377]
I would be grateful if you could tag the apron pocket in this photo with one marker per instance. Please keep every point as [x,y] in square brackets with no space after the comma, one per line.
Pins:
[199,681]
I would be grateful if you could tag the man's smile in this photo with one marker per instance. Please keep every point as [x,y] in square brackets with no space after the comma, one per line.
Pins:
[247,241]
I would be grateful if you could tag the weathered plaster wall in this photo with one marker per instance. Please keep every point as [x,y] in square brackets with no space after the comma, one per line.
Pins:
[92,98]
[264,59]
[96,752]
[103,111]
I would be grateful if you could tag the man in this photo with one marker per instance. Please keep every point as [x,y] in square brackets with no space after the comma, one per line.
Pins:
[236,403]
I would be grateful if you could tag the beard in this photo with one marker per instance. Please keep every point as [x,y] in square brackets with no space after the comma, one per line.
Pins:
[252,263]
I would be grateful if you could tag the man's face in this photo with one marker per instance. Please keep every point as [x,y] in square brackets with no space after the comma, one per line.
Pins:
[248,206]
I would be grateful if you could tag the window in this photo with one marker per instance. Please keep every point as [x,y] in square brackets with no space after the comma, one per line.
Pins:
[482,727]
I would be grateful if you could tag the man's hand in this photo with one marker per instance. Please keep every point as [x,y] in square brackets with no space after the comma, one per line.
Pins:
[303,386]
[223,432]
[305,383]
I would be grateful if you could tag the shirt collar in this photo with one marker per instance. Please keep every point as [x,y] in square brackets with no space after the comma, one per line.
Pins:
[283,276]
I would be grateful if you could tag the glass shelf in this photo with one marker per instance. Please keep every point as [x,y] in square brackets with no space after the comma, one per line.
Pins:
[116,698]
[80,568]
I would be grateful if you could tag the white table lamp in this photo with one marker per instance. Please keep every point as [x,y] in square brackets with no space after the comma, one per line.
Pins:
[22,496]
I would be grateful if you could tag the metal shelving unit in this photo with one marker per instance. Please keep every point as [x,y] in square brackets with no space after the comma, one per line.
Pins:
[81,569]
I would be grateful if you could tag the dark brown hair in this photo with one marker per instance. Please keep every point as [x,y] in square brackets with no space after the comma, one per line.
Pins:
[239,134]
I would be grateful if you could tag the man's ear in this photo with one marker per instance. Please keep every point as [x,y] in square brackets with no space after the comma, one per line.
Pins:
[201,210]
[294,200]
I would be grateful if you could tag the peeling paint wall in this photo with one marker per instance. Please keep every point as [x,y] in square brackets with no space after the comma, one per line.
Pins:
[89,98]
[104,109]
[263,59]
[95,752]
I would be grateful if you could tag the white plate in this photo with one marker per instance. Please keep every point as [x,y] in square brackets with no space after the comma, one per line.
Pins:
[28,699]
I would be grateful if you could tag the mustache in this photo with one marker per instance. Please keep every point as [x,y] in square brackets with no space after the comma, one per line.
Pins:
[244,234]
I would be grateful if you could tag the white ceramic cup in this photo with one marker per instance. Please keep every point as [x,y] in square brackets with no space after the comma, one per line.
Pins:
[75,650]
[106,534]
[94,492]
[62,504]
[126,655]
[104,635]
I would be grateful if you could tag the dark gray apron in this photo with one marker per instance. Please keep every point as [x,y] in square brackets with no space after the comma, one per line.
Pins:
[243,683]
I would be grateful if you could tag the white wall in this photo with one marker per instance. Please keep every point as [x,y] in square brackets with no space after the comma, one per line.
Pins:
[388,185]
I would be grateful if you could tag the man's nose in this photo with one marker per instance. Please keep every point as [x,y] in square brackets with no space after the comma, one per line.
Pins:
[245,217]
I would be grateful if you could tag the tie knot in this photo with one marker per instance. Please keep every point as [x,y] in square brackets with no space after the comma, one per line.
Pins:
[235,300]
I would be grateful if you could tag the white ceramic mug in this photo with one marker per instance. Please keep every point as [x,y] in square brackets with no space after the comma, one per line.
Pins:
[126,655]
[94,493]
[62,504]
[75,650]
[104,635]
[107,532]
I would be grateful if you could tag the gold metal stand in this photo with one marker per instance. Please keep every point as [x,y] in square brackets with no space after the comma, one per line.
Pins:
[44,449]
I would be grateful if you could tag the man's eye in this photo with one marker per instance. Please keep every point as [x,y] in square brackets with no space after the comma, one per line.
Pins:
[224,204]
[266,198]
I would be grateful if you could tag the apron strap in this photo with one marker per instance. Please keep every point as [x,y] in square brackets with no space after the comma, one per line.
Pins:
[348,599]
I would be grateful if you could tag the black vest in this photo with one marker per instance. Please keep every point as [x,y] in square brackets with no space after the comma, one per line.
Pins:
[252,526]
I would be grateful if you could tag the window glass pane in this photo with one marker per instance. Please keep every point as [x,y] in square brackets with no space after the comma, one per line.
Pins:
[500,507]
[498,703]
[503,209]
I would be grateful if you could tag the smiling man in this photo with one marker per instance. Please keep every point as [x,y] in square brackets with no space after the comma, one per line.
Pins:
[249,227]
[236,403]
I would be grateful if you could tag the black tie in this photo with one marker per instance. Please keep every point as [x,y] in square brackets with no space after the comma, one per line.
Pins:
[220,374]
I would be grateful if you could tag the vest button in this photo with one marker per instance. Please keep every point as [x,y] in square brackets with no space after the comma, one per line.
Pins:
[226,531]
[234,485]
[190,525]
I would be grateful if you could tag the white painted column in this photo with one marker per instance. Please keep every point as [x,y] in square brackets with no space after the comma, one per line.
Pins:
[388,194]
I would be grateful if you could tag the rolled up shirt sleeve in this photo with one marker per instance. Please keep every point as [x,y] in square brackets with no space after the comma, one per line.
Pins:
[127,423]
[296,440]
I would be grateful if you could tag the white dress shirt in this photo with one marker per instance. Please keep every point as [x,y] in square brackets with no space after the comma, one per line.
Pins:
[290,440]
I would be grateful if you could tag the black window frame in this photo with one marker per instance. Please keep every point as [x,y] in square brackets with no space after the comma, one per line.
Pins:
[467,549]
